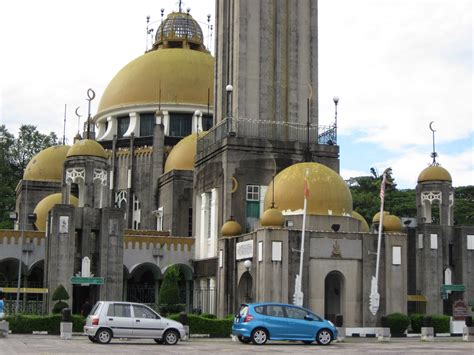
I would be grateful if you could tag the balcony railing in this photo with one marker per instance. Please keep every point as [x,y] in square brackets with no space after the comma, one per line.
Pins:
[272,130]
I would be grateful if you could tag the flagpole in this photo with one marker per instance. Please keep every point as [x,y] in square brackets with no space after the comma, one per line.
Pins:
[298,295]
[374,294]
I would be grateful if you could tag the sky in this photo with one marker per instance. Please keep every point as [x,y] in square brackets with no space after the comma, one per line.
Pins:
[396,66]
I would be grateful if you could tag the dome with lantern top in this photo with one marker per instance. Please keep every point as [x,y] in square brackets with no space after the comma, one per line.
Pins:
[87,147]
[434,173]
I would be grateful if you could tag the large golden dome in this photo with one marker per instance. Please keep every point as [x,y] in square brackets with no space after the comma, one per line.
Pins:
[168,76]
[183,154]
[44,206]
[328,193]
[87,147]
[47,165]
[434,173]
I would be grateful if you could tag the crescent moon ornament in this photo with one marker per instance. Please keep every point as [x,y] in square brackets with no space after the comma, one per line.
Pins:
[431,126]
[77,112]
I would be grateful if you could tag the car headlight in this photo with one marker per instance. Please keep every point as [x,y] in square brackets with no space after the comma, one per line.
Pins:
[332,324]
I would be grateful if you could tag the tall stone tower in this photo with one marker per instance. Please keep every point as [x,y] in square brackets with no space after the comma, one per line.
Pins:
[268,51]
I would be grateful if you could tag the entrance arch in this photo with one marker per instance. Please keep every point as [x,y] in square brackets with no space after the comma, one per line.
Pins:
[245,288]
[333,295]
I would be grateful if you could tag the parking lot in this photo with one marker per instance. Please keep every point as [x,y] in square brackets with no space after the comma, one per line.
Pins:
[51,344]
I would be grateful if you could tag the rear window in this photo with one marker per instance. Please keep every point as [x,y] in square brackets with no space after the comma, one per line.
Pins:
[119,310]
[259,309]
[95,309]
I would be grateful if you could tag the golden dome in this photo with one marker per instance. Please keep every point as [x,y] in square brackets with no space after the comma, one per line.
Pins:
[182,155]
[364,226]
[87,147]
[376,218]
[174,75]
[328,193]
[434,173]
[231,228]
[45,205]
[47,165]
[272,218]
[392,223]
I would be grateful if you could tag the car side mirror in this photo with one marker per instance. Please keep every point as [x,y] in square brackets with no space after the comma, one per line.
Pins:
[308,317]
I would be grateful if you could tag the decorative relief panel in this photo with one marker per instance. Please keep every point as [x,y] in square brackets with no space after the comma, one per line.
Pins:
[75,175]
[120,198]
[431,196]
[101,175]
[451,199]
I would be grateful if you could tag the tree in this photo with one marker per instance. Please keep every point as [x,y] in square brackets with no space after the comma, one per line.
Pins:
[169,291]
[464,205]
[15,153]
[60,295]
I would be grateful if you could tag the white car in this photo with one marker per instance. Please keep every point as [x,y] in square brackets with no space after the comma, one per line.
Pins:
[118,319]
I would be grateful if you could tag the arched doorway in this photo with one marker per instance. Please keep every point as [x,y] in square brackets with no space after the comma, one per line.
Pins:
[142,286]
[184,279]
[245,288]
[333,295]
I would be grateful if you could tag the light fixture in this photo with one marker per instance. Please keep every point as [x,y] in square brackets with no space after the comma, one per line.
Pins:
[247,264]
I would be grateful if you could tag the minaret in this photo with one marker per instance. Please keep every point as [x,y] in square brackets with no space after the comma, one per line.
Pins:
[268,51]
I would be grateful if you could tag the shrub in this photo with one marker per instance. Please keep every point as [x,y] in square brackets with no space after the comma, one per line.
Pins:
[26,324]
[167,309]
[217,328]
[440,324]
[169,291]
[59,295]
[209,316]
[398,323]
[416,321]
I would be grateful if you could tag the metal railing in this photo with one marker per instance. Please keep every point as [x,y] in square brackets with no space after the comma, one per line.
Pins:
[272,130]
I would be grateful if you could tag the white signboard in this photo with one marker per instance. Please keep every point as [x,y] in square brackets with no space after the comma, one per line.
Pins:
[434,241]
[244,250]
[276,251]
[396,255]
[63,224]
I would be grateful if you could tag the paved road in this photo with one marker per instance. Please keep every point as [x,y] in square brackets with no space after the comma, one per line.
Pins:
[49,344]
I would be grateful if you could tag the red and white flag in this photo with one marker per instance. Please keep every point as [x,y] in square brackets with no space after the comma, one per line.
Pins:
[382,188]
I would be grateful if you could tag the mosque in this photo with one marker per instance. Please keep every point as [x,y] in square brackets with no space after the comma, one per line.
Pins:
[200,162]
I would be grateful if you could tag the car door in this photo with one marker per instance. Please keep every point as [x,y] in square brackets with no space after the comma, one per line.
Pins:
[119,319]
[301,323]
[146,323]
[275,322]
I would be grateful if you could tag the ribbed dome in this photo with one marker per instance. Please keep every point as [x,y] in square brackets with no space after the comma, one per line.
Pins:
[364,226]
[44,206]
[376,218]
[434,173]
[231,228]
[47,165]
[328,193]
[272,218]
[392,223]
[169,76]
[87,147]
[179,26]
[183,154]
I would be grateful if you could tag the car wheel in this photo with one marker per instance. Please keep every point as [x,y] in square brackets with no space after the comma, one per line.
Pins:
[103,336]
[324,337]
[92,339]
[170,337]
[243,339]
[307,342]
[158,341]
[259,336]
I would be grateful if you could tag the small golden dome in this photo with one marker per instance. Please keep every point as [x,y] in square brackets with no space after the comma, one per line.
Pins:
[44,206]
[434,173]
[182,155]
[87,147]
[168,76]
[364,226]
[47,165]
[272,218]
[392,223]
[231,228]
[328,193]
[376,218]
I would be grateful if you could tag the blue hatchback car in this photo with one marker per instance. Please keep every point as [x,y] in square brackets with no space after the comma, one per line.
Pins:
[259,322]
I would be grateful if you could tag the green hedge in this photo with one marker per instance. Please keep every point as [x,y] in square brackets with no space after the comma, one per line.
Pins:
[216,328]
[26,324]
[440,324]
[398,323]
[416,321]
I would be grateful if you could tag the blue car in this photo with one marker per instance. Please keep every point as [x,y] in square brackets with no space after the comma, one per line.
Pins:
[259,322]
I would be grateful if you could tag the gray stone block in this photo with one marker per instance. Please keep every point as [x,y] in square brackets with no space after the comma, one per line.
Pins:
[383,334]
[4,328]
[427,334]
[66,330]
[468,334]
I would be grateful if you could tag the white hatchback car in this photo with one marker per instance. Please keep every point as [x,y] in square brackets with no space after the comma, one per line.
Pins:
[109,320]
